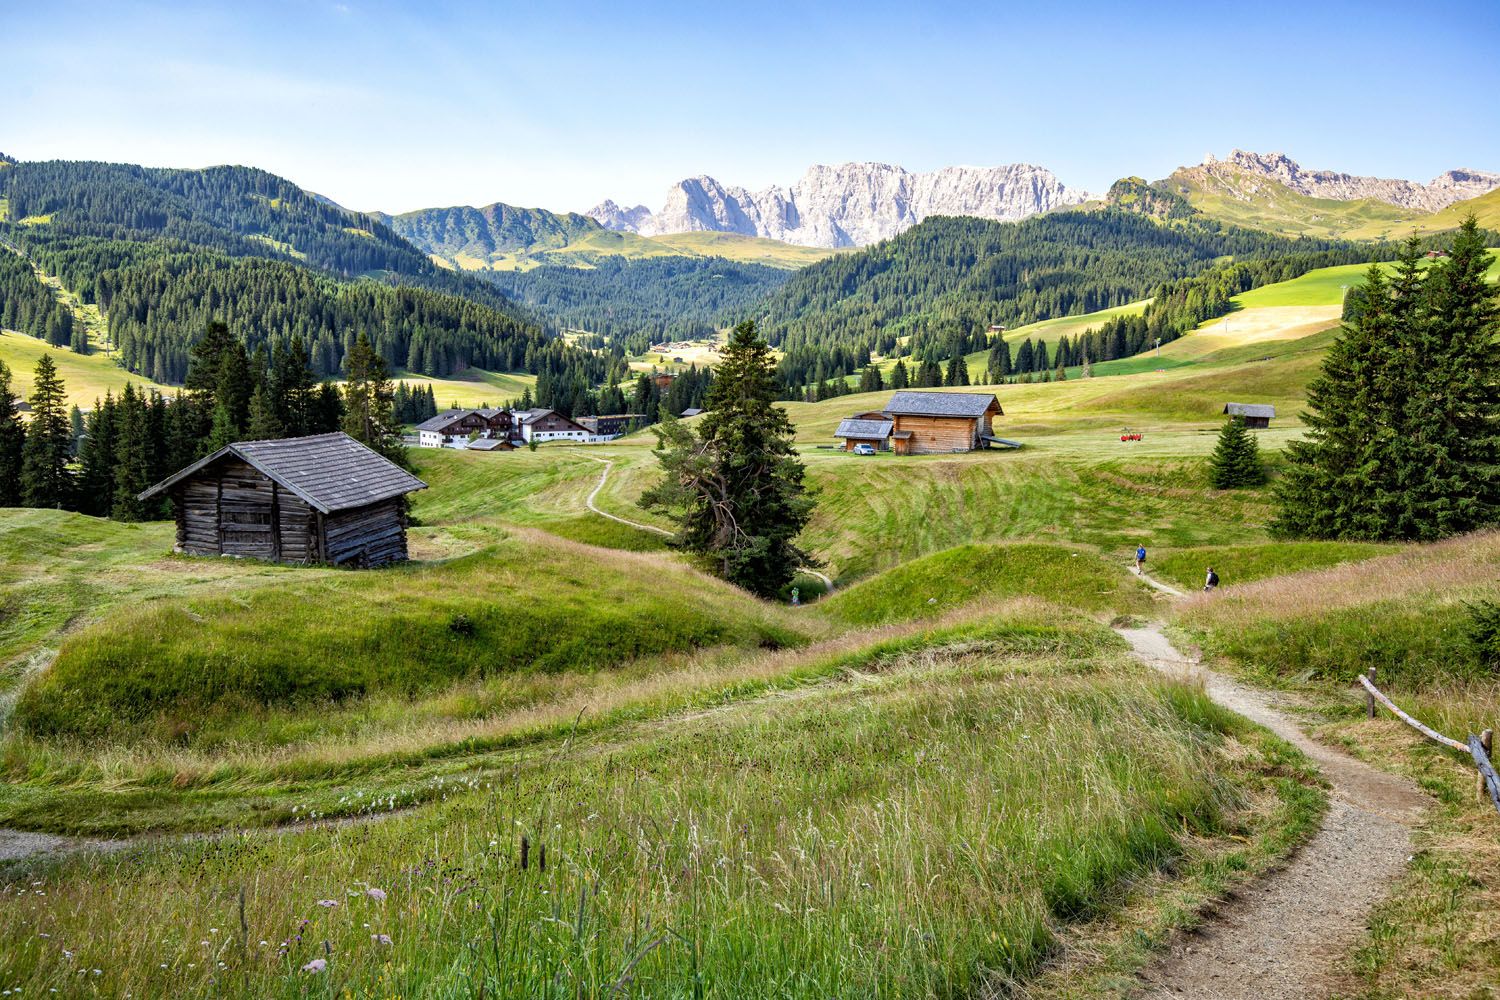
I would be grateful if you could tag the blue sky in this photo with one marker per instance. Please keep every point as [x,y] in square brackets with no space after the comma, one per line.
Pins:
[396,106]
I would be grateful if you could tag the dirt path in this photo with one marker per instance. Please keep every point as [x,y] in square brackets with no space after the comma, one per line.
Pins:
[1281,937]
[604,478]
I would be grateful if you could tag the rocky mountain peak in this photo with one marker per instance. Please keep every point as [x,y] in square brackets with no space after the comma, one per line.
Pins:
[1442,191]
[850,204]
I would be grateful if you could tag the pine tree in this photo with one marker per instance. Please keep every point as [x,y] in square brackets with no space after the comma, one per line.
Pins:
[12,442]
[368,415]
[899,378]
[264,424]
[1452,414]
[1326,491]
[1236,458]
[131,469]
[958,370]
[870,380]
[45,481]
[735,486]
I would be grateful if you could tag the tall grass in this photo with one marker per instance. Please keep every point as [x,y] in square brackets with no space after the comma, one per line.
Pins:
[170,670]
[1403,614]
[916,833]
[933,585]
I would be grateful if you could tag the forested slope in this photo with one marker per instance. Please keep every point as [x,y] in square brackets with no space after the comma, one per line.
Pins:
[945,282]
[161,251]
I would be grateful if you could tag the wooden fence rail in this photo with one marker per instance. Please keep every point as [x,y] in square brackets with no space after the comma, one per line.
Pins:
[1478,747]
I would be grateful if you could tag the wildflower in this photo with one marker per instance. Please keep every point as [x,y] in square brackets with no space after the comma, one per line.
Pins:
[316,965]
[376,894]
[328,903]
[381,938]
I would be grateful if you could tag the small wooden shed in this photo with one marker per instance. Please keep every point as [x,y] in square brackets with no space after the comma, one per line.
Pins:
[320,499]
[873,429]
[1253,414]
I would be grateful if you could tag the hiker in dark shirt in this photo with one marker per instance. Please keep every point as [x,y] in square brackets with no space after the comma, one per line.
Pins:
[1212,581]
[1140,559]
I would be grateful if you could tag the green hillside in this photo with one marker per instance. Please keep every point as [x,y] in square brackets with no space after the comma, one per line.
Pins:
[502,237]
[1236,197]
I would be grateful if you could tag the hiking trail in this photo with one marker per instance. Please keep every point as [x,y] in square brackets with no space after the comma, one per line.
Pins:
[1281,936]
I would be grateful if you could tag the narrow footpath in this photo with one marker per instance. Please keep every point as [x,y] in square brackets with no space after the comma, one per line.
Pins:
[604,478]
[1281,937]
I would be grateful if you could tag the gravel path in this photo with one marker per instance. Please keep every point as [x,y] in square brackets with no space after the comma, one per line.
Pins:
[1281,937]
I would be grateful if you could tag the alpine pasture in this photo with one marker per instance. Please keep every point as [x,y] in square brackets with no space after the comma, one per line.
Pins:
[549,757]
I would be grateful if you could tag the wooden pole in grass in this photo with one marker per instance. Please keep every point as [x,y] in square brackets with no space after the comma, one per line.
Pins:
[1489,784]
[1370,697]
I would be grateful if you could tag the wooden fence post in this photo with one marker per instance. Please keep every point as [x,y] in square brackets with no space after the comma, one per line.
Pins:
[1370,698]
[1487,742]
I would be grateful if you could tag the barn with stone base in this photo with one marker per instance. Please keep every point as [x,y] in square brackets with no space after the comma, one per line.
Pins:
[321,499]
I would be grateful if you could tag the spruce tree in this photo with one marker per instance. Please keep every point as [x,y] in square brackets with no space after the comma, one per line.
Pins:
[1325,492]
[12,442]
[368,415]
[1236,459]
[96,460]
[1452,480]
[45,481]
[131,471]
[958,370]
[734,485]
[264,423]
[899,377]
[999,363]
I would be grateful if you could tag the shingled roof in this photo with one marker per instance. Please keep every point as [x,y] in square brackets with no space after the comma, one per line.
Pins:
[942,404]
[330,472]
[1250,410]
[854,427]
[443,419]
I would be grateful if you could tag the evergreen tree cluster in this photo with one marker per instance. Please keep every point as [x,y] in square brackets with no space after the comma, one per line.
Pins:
[98,463]
[28,306]
[1179,306]
[637,303]
[414,404]
[1236,461]
[1404,420]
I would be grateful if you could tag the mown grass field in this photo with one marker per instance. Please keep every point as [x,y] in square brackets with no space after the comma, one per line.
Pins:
[86,377]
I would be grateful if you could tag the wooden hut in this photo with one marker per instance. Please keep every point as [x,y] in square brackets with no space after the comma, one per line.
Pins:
[932,422]
[320,499]
[1253,414]
[873,429]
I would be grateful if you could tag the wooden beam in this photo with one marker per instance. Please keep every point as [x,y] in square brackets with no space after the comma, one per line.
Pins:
[1481,756]
[1431,734]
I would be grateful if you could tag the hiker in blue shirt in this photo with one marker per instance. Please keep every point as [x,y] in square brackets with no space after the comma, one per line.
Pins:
[1140,560]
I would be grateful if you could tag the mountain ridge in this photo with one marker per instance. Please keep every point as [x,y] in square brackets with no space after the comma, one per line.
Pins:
[847,204]
[1443,190]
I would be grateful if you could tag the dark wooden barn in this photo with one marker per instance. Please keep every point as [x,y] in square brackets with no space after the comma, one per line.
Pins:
[1253,414]
[320,499]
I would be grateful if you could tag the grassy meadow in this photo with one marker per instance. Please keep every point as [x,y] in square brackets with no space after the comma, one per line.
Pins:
[940,780]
